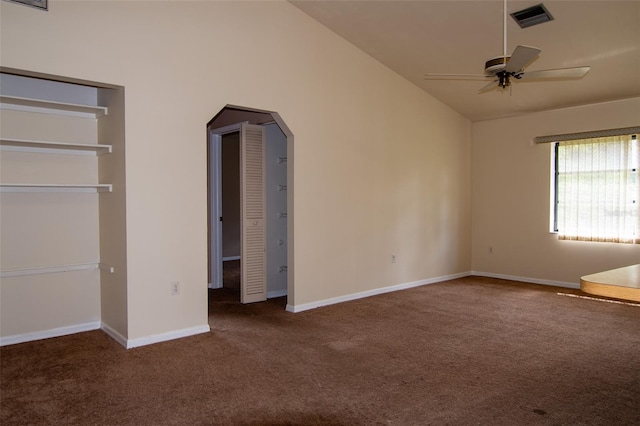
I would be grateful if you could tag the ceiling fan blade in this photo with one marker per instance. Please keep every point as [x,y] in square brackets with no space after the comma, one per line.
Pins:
[520,57]
[490,86]
[436,76]
[577,72]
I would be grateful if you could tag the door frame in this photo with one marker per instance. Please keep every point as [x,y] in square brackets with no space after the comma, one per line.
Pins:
[214,141]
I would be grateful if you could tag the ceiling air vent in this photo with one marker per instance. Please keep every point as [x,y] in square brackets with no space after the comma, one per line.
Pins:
[531,16]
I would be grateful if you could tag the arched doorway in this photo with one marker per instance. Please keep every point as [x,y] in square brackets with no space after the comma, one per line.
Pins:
[224,144]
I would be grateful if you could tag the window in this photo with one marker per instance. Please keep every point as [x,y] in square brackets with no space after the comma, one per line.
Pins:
[597,189]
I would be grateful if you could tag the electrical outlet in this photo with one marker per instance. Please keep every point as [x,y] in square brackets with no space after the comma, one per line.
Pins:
[393,258]
[175,288]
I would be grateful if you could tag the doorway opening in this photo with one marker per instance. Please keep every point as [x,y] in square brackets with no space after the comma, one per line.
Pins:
[250,199]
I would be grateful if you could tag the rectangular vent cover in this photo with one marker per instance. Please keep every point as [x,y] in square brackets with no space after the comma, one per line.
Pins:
[531,16]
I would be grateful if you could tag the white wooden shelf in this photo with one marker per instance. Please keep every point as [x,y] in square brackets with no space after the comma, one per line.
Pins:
[38,270]
[46,146]
[47,187]
[22,103]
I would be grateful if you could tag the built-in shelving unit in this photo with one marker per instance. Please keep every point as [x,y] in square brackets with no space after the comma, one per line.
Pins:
[48,146]
[62,239]
[15,102]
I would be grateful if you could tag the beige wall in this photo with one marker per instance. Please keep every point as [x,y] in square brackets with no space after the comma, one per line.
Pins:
[511,192]
[113,221]
[380,167]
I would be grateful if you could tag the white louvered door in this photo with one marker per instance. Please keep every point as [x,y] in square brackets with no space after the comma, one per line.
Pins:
[253,280]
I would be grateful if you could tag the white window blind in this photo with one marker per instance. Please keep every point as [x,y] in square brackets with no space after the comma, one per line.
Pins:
[598,189]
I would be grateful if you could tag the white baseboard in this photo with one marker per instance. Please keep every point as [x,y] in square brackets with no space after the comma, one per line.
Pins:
[276,293]
[382,290]
[163,337]
[226,259]
[143,341]
[526,279]
[46,334]
[114,334]
[157,338]
[374,292]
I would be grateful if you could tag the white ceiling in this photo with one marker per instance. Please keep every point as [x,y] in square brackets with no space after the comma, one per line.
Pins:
[418,37]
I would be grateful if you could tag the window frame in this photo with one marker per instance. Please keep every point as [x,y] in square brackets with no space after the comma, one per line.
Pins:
[554,187]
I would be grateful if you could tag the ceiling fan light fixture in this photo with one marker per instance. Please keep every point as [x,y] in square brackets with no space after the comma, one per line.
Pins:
[531,16]
[495,65]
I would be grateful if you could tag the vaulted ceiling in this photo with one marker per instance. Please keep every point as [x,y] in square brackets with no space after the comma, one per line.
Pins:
[418,37]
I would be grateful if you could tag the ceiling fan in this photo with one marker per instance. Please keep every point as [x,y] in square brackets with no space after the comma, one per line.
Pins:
[505,69]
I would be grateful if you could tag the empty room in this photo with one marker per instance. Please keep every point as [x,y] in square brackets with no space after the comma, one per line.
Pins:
[319,212]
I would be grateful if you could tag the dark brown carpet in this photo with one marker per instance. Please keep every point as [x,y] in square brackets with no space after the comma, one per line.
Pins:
[473,351]
[231,275]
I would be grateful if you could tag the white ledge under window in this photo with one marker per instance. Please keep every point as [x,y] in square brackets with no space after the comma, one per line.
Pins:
[47,187]
[45,146]
[39,270]
[28,104]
